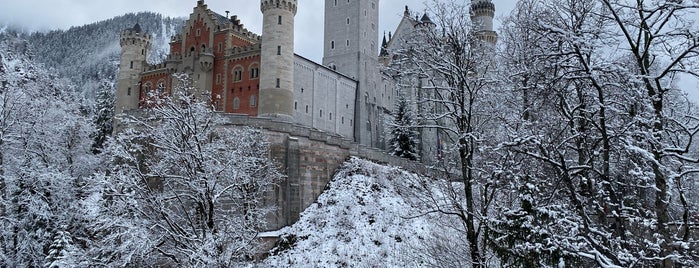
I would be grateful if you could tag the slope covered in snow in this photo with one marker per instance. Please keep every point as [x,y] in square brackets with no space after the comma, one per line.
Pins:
[365,218]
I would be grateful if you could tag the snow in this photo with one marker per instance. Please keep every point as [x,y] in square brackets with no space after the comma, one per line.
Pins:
[363,219]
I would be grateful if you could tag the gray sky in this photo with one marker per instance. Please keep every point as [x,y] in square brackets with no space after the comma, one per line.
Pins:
[62,14]
[40,15]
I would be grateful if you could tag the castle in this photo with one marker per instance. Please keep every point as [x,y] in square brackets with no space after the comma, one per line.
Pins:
[241,72]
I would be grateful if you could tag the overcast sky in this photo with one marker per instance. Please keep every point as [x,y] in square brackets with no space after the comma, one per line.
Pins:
[41,15]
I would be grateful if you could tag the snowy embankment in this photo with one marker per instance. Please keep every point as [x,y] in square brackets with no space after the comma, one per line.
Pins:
[363,219]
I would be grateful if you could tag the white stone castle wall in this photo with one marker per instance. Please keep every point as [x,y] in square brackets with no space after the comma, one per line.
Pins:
[316,89]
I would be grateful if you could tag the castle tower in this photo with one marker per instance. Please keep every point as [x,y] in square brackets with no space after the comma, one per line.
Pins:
[352,48]
[277,58]
[482,13]
[134,51]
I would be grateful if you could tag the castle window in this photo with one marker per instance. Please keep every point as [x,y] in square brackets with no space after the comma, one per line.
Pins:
[351,123]
[373,26]
[348,21]
[220,47]
[279,20]
[237,74]
[218,79]
[128,92]
[236,103]
[321,113]
[131,65]
[332,44]
[296,105]
[278,83]
[373,5]
[198,32]
[347,42]
[335,2]
[343,120]
[306,108]
[253,101]
[203,48]
[331,116]
[254,71]
[143,52]
[279,50]
[365,13]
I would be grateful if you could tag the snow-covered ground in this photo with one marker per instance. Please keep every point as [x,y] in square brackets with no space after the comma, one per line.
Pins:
[364,219]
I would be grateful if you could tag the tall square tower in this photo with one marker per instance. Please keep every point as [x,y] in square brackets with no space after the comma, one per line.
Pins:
[351,48]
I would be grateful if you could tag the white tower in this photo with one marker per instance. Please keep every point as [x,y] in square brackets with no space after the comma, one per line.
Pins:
[134,51]
[352,48]
[277,59]
[482,12]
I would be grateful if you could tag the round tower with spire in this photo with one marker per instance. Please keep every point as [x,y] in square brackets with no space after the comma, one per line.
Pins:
[134,51]
[482,13]
[277,59]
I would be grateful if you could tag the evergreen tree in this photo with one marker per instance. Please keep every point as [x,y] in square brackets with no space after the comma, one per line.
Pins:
[104,115]
[59,249]
[403,133]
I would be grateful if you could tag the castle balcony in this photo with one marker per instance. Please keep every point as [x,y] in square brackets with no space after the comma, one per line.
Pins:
[206,60]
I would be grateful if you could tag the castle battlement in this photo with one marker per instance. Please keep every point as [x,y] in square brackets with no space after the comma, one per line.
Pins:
[238,51]
[290,5]
[483,8]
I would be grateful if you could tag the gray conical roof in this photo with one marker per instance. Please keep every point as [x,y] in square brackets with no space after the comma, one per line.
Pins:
[426,19]
[137,28]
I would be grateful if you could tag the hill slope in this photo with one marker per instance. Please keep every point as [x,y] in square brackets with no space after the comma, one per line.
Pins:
[89,54]
[367,217]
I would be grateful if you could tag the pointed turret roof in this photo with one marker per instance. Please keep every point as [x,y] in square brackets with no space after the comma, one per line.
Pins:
[137,28]
[425,19]
[384,45]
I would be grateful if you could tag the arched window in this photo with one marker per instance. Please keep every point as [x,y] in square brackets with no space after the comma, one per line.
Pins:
[161,87]
[148,88]
[237,73]
[254,71]
[332,44]
[236,103]
[253,101]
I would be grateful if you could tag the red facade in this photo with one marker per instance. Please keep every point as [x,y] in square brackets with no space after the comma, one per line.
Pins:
[235,72]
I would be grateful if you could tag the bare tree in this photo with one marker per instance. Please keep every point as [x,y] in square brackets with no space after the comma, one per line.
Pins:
[607,140]
[198,185]
[456,67]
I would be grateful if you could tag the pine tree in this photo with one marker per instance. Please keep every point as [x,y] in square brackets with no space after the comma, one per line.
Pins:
[104,115]
[59,249]
[403,133]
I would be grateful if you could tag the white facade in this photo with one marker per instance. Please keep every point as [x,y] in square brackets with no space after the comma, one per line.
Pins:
[323,98]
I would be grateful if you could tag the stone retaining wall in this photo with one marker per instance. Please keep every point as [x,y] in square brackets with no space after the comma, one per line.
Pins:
[309,158]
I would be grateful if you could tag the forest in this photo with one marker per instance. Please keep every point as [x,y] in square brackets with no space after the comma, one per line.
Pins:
[571,143]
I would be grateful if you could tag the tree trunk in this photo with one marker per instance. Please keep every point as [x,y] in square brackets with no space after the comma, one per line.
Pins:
[466,155]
